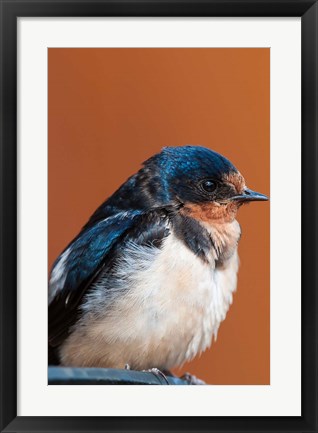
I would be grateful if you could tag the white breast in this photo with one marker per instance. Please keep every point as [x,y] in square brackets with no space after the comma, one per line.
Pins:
[170,310]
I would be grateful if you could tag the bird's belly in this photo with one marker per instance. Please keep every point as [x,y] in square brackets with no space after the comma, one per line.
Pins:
[170,309]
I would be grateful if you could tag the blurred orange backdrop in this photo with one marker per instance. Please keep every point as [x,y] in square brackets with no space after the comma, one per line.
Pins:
[110,109]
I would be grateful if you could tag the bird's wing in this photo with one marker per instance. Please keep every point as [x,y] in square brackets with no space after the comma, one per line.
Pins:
[94,249]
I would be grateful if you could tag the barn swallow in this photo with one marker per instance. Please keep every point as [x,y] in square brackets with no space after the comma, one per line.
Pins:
[150,277]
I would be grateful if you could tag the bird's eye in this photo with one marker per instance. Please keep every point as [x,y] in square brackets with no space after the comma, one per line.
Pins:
[208,185]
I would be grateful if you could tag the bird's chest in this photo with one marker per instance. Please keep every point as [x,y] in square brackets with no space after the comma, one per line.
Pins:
[172,305]
[225,237]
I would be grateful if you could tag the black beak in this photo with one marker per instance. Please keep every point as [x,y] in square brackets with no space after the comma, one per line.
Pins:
[249,195]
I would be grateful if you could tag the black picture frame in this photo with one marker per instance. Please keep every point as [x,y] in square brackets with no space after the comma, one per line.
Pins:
[10,11]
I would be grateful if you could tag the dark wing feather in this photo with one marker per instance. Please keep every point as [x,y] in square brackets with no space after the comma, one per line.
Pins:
[86,257]
[94,249]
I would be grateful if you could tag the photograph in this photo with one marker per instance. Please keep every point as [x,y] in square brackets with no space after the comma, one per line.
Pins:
[159,216]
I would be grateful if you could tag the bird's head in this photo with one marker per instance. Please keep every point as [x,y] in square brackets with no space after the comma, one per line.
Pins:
[203,182]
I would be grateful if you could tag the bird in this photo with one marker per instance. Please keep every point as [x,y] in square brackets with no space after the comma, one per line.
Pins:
[151,275]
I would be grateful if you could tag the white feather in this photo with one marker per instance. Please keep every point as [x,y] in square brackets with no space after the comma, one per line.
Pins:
[170,306]
[58,275]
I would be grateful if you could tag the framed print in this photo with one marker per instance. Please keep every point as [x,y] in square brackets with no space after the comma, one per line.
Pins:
[133,137]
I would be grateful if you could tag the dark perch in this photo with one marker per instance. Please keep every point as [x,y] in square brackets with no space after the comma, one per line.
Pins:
[106,376]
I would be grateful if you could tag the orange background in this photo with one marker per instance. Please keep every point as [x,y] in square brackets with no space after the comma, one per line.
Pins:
[110,109]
